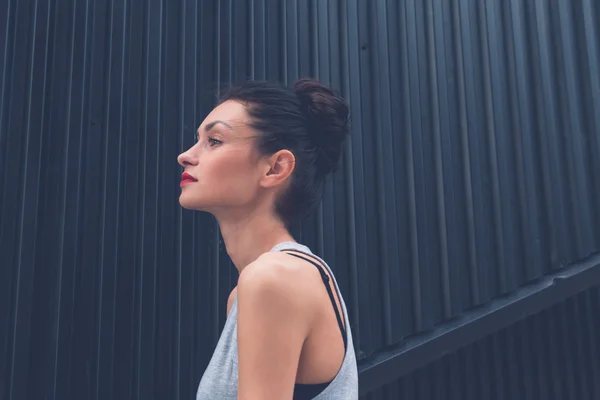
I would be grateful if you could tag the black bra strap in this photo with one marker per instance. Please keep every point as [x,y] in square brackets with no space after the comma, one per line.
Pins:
[326,280]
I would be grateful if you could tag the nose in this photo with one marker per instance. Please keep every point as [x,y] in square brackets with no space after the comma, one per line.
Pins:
[187,158]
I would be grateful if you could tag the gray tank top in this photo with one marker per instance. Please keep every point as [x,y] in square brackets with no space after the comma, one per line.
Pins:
[220,379]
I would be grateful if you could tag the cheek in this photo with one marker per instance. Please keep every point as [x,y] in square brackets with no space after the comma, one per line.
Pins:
[233,173]
[226,178]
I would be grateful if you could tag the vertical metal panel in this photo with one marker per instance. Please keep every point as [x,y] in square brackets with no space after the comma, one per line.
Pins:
[472,169]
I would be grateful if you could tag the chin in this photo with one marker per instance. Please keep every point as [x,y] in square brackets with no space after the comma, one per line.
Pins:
[189,203]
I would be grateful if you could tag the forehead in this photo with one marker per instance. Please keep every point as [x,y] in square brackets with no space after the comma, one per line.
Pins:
[230,112]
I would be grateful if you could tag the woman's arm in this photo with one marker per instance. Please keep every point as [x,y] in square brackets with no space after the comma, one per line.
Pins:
[273,323]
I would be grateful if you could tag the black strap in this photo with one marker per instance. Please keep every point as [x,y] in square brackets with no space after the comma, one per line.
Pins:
[326,280]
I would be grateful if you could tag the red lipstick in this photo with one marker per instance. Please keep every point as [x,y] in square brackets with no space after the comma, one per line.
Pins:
[187,178]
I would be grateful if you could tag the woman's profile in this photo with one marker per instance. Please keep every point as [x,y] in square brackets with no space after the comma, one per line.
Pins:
[259,164]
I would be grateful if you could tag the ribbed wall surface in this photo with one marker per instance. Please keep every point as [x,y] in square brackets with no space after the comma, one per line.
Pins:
[473,167]
[553,355]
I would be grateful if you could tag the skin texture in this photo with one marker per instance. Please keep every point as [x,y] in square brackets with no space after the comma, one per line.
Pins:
[287,330]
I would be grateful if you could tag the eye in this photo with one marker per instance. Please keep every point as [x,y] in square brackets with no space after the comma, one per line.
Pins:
[213,142]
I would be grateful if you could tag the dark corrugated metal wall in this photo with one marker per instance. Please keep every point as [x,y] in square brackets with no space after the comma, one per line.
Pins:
[473,168]
[553,355]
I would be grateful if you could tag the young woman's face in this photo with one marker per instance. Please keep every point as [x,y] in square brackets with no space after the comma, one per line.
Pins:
[223,169]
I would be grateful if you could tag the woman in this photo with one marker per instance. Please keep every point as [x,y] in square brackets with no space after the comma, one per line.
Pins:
[259,163]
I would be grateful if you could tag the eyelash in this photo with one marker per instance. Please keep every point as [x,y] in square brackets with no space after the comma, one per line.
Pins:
[213,142]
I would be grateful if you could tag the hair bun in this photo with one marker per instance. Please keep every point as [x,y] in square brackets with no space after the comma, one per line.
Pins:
[328,120]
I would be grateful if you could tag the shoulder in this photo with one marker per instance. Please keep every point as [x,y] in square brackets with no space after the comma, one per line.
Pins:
[278,277]
[275,317]
[272,270]
[267,268]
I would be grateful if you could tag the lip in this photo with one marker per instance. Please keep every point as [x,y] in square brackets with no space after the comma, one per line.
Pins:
[187,179]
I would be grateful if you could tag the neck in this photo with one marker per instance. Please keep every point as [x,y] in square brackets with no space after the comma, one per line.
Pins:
[248,238]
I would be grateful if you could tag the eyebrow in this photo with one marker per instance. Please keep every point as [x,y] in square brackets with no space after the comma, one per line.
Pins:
[211,125]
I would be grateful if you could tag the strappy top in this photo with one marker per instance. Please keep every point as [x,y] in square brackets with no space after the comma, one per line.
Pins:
[220,378]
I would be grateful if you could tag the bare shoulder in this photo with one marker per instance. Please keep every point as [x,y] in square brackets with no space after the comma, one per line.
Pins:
[274,320]
[279,274]
[280,270]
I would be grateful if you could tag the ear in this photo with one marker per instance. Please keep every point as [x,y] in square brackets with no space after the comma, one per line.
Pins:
[278,169]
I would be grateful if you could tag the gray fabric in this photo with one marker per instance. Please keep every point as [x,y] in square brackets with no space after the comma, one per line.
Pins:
[220,379]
